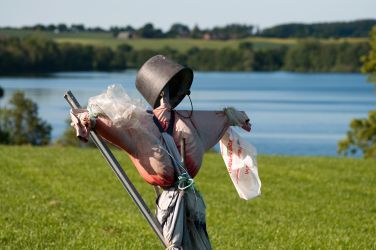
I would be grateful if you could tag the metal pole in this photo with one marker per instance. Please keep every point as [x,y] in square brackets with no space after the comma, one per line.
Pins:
[127,184]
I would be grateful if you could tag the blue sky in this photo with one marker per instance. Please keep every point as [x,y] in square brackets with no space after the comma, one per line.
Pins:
[163,13]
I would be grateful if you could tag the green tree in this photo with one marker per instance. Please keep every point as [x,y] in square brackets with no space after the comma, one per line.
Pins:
[302,57]
[311,55]
[62,27]
[196,32]
[20,124]
[369,66]
[358,28]
[102,58]
[232,31]
[42,53]
[362,133]
[3,134]
[76,57]
[269,59]
[178,30]
[148,31]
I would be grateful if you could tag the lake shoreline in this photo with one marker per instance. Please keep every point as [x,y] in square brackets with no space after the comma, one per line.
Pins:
[291,113]
[52,73]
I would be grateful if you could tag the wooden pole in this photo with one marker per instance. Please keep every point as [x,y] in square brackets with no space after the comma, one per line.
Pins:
[127,184]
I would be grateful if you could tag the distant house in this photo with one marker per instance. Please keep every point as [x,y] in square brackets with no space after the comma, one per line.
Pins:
[125,35]
[207,36]
[4,37]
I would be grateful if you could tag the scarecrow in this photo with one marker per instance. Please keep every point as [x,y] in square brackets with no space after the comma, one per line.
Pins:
[165,145]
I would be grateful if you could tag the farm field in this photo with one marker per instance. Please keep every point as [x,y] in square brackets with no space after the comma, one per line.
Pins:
[55,198]
[182,45]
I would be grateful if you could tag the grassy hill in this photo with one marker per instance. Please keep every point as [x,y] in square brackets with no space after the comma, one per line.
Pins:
[182,45]
[69,198]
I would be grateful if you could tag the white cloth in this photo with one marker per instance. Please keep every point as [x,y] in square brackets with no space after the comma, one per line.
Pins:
[181,213]
[182,216]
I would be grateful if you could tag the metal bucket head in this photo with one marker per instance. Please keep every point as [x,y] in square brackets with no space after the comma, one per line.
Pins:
[158,72]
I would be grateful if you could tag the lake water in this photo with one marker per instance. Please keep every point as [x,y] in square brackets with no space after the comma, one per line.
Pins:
[291,113]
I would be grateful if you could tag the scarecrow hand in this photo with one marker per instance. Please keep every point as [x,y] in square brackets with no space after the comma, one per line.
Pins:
[82,123]
[237,118]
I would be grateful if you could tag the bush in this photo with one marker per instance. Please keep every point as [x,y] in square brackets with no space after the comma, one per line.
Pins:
[20,124]
[362,133]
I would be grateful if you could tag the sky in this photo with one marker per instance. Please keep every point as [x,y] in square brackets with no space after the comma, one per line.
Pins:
[163,13]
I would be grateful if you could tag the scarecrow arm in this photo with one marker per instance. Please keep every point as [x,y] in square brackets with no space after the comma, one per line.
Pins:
[116,136]
[212,125]
[104,127]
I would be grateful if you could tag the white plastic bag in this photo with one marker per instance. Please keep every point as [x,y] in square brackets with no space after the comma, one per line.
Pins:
[122,110]
[240,160]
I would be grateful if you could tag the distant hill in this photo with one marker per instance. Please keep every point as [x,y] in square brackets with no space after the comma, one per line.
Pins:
[358,28]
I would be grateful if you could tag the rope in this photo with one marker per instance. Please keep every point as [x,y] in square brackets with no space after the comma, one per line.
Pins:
[184,182]
[191,111]
[182,178]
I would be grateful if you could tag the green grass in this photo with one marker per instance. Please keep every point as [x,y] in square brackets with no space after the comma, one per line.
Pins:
[182,45]
[55,198]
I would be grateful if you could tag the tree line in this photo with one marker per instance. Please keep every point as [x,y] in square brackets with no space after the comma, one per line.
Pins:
[358,28]
[41,55]
[38,55]
[178,30]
